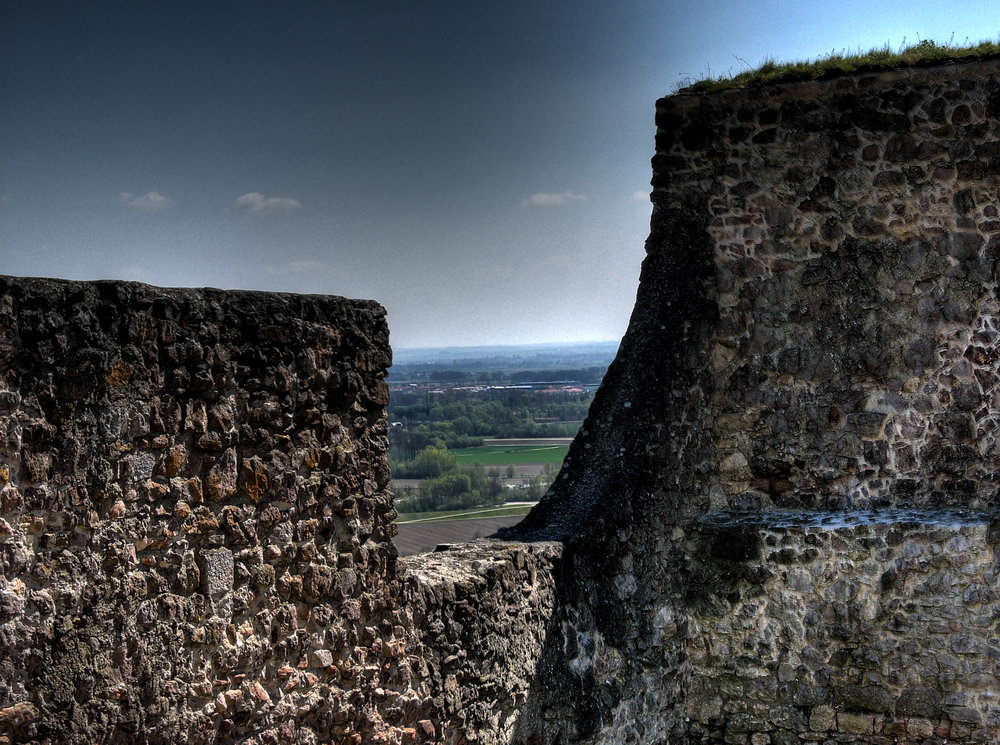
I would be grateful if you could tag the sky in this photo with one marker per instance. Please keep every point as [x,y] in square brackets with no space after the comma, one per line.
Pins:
[479,168]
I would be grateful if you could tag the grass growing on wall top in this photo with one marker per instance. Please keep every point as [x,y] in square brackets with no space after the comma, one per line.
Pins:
[834,65]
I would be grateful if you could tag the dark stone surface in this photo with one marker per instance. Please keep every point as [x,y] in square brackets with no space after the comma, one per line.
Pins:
[195,533]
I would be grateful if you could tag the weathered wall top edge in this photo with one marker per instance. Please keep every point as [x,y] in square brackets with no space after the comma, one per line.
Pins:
[41,285]
[468,559]
[861,82]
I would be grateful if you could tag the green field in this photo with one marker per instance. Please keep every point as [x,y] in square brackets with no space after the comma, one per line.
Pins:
[495,455]
[424,517]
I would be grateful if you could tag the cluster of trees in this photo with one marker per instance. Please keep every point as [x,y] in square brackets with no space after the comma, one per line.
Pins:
[446,485]
[405,444]
[456,489]
[432,426]
[431,462]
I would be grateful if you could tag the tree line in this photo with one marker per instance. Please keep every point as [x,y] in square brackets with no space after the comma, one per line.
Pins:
[453,424]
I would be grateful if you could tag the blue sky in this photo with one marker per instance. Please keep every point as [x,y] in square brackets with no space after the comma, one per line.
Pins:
[479,168]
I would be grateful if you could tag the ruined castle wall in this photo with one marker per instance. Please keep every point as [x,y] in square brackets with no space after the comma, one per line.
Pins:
[854,227]
[484,612]
[819,626]
[815,328]
[195,533]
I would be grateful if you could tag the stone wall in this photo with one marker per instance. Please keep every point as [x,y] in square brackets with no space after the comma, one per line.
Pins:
[815,329]
[817,626]
[484,613]
[195,533]
[855,234]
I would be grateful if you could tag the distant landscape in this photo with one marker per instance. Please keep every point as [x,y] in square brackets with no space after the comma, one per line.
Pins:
[477,434]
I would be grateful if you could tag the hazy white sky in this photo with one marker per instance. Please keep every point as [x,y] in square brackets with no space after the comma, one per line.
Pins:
[479,168]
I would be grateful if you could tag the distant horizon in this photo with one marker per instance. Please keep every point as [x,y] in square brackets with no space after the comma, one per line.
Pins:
[508,345]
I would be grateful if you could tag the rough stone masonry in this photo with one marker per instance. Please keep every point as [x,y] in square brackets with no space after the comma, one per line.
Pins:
[777,525]
[195,533]
[815,333]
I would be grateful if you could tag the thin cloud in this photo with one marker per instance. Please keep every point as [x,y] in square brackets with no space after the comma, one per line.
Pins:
[151,201]
[257,202]
[4,199]
[640,196]
[296,267]
[134,273]
[541,199]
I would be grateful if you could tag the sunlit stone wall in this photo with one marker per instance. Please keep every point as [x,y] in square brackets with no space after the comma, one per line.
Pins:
[815,329]
[195,534]
[855,228]
[851,626]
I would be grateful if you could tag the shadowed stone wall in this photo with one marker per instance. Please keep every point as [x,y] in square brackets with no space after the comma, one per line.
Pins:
[815,329]
[195,533]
